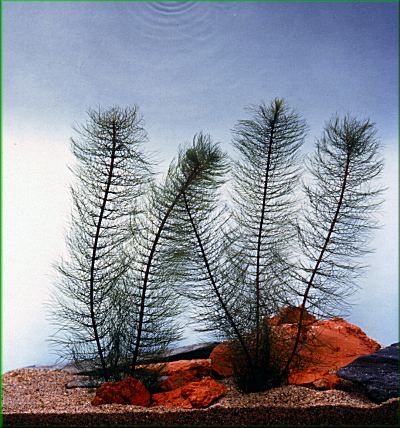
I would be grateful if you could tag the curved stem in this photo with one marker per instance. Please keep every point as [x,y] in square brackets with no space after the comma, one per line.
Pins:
[148,268]
[214,285]
[260,230]
[94,253]
[315,270]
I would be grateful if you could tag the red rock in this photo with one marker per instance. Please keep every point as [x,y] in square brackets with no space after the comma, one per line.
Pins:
[171,399]
[291,315]
[201,367]
[179,379]
[127,391]
[182,372]
[282,339]
[325,347]
[106,394]
[221,361]
[203,393]
[193,395]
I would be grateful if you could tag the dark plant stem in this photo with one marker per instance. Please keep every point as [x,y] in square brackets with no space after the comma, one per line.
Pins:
[214,285]
[315,270]
[148,268]
[258,258]
[94,253]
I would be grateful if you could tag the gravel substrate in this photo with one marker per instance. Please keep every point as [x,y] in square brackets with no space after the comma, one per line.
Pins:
[38,397]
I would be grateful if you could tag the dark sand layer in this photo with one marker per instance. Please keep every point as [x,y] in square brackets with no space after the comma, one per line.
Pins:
[317,415]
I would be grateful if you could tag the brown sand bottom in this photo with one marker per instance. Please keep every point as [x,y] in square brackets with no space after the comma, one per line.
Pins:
[37,397]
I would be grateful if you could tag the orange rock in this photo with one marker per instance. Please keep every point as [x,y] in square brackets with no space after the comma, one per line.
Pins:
[182,372]
[291,315]
[171,399]
[179,379]
[127,391]
[282,338]
[106,394]
[195,394]
[201,367]
[325,347]
[221,360]
[203,393]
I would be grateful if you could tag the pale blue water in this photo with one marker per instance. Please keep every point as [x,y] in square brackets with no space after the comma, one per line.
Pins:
[189,67]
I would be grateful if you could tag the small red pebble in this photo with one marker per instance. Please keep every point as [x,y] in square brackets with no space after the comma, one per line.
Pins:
[126,391]
[195,394]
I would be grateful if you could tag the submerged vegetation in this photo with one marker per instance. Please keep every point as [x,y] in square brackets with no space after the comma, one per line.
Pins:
[140,250]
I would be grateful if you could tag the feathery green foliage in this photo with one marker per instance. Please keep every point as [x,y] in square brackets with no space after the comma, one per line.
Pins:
[158,259]
[201,223]
[337,221]
[138,247]
[111,173]
[238,257]
[242,269]
[265,178]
